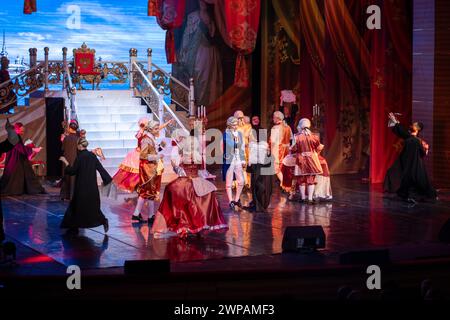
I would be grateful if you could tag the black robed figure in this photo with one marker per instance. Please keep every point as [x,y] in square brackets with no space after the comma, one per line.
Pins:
[262,173]
[84,208]
[18,177]
[408,176]
[6,146]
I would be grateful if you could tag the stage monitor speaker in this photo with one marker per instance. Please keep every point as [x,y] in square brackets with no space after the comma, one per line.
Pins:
[366,257]
[304,238]
[146,267]
[444,233]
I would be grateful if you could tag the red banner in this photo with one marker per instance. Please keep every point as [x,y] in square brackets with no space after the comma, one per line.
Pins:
[29,6]
[242,21]
[170,15]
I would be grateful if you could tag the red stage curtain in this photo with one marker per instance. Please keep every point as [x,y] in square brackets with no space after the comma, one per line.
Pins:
[347,41]
[242,21]
[29,6]
[390,90]
[170,15]
[152,8]
[313,31]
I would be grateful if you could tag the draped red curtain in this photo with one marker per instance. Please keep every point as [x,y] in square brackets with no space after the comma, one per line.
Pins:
[29,6]
[170,15]
[152,8]
[390,86]
[242,22]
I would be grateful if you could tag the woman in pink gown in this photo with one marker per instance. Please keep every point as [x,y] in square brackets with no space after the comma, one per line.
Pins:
[127,177]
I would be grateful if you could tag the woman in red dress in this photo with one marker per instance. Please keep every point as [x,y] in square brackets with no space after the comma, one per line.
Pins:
[189,204]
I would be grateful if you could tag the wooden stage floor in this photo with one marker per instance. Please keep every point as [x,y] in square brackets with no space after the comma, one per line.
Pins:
[359,217]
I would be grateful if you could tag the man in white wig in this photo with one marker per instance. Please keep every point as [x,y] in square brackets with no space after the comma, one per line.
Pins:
[280,141]
[308,166]
[245,128]
[233,161]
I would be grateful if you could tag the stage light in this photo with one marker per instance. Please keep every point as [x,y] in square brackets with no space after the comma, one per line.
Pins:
[303,239]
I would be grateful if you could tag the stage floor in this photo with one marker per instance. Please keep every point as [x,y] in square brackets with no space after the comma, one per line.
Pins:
[359,217]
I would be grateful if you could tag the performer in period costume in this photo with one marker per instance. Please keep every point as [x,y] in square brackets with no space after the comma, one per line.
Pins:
[280,140]
[322,190]
[189,204]
[6,146]
[84,208]
[70,150]
[245,129]
[408,176]
[307,146]
[127,177]
[151,168]
[233,161]
[262,173]
[18,177]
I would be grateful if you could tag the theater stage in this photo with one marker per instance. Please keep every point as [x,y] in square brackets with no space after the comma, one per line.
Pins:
[359,217]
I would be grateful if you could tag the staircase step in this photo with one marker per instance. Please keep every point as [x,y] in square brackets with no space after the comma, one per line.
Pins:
[110,118]
[92,110]
[111,135]
[93,94]
[120,126]
[110,101]
[117,152]
[112,143]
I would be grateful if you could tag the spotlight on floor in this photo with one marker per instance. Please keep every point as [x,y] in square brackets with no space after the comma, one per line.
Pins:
[303,239]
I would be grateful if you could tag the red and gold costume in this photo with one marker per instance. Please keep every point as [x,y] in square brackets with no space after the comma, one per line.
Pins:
[280,139]
[150,171]
[189,203]
[308,166]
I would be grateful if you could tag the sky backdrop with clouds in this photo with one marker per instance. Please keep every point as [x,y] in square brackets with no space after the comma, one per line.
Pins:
[111,27]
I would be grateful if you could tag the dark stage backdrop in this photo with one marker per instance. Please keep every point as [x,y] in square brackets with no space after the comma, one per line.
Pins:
[323,51]
[54,111]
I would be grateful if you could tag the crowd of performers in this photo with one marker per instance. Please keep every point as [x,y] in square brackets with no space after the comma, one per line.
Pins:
[253,159]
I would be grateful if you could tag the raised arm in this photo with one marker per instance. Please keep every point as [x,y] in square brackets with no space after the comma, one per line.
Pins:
[400,131]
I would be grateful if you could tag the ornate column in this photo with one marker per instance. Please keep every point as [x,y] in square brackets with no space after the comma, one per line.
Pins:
[33,57]
[133,58]
[46,49]
[64,53]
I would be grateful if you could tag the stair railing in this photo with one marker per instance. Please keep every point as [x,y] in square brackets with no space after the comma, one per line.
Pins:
[71,109]
[154,100]
[22,85]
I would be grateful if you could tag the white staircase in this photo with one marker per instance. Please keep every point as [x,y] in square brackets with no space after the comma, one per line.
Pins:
[110,118]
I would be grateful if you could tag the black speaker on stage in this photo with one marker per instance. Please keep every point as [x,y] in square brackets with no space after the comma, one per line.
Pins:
[366,257]
[444,233]
[306,238]
[146,267]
